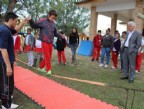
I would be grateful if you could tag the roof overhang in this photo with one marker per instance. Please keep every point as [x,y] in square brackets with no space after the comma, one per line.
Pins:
[124,8]
[83,2]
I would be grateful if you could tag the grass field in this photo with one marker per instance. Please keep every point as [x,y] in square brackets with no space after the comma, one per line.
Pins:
[87,70]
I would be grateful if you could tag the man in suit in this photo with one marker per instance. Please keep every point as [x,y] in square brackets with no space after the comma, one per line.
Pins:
[130,50]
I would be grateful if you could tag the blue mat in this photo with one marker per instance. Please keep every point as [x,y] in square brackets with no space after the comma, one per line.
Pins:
[85,48]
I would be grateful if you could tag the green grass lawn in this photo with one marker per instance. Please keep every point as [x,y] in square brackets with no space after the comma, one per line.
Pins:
[87,70]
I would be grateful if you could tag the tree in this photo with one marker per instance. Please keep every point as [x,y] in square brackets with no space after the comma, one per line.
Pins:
[34,7]
[11,5]
[6,6]
[69,15]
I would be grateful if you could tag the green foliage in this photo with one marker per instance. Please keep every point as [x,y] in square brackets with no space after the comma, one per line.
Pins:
[69,15]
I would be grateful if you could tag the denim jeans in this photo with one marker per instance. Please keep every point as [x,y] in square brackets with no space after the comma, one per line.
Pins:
[73,48]
[103,52]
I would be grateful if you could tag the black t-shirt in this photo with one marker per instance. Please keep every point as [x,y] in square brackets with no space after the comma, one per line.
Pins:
[6,42]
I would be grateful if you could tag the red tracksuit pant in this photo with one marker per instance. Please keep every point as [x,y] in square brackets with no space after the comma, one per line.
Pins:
[115,58]
[61,57]
[139,61]
[96,53]
[47,53]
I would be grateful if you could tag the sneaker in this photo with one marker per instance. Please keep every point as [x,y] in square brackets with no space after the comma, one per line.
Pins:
[113,67]
[101,65]
[137,71]
[28,63]
[106,66]
[13,106]
[42,70]
[65,63]
[92,59]
[49,72]
[97,60]
[31,64]
[39,69]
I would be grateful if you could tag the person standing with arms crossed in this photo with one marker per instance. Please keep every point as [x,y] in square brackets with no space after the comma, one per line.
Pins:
[7,58]
[47,33]
[130,50]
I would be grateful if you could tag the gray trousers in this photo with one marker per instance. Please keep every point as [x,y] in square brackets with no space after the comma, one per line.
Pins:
[129,61]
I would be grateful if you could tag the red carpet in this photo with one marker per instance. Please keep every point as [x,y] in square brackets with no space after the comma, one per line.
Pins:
[52,95]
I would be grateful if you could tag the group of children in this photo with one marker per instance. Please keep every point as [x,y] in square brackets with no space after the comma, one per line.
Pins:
[115,50]
[33,44]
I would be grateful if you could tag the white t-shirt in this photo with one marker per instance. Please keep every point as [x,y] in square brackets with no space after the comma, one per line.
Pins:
[38,44]
[114,47]
[127,40]
[26,40]
[14,38]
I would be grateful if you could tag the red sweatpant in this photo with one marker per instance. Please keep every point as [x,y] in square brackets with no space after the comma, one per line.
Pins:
[47,53]
[96,53]
[115,58]
[139,61]
[61,56]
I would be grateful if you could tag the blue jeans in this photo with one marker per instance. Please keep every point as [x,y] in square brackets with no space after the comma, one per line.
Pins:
[73,48]
[103,52]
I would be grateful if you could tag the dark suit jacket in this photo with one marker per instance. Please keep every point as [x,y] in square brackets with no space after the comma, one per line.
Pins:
[134,42]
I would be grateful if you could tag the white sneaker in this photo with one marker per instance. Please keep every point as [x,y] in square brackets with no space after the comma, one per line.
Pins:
[28,63]
[136,71]
[31,64]
[106,66]
[101,65]
[13,106]
[113,67]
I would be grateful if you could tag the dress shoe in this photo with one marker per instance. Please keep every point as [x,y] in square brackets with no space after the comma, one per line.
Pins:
[131,81]
[123,78]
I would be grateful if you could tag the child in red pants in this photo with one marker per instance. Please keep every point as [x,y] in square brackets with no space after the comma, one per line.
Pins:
[47,32]
[139,57]
[115,50]
[61,44]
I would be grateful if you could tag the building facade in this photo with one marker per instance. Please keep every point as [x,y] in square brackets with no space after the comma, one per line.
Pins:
[123,10]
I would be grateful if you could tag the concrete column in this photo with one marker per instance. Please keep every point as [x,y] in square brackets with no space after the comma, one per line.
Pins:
[114,23]
[93,22]
[138,9]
